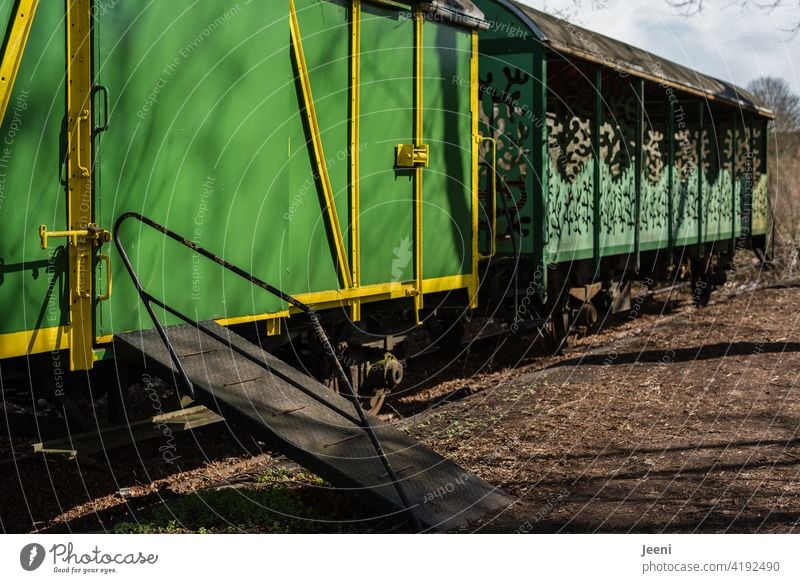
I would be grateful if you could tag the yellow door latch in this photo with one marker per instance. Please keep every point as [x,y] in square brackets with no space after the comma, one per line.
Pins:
[92,232]
[411,156]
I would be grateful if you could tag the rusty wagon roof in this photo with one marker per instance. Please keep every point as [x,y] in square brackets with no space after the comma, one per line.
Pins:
[569,39]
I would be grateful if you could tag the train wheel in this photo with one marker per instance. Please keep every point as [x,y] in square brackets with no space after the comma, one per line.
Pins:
[374,403]
[701,292]
[556,333]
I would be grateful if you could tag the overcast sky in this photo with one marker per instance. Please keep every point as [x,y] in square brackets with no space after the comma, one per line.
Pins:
[724,40]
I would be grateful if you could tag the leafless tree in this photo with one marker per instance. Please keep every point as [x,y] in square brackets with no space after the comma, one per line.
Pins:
[784,163]
[785,104]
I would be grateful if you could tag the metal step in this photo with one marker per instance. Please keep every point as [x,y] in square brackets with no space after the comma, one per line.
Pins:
[313,425]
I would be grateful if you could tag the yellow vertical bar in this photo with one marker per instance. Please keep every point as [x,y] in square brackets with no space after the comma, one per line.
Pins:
[418,139]
[15,47]
[319,152]
[79,182]
[476,144]
[355,148]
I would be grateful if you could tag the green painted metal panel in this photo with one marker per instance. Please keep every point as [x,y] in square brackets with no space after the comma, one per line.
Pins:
[758,166]
[203,106]
[512,76]
[573,131]
[447,183]
[34,291]
[6,7]
[617,210]
[387,119]
[717,185]
[684,204]
[506,114]
[326,40]
[654,229]
[571,214]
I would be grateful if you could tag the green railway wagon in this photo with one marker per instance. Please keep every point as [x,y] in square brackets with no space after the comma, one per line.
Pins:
[320,145]
[613,163]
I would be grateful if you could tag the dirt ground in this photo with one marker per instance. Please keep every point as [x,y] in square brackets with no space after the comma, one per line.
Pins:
[671,419]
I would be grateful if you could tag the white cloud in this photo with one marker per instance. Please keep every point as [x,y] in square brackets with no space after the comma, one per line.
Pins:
[724,41]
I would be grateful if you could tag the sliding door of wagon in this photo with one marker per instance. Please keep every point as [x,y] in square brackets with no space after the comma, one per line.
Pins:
[386,120]
[201,102]
[447,194]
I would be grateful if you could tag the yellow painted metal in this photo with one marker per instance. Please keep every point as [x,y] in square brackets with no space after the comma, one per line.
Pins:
[492,193]
[79,182]
[340,298]
[319,152]
[92,232]
[355,149]
[33,342]
[15,48]
[444,284]
[419,72]
[475,112]
[106,260]
[411,156]
[274,327]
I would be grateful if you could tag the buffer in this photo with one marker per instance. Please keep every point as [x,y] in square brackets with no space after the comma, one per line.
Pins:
[327,432]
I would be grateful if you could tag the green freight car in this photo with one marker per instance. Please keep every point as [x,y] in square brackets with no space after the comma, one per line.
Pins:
[303,141]
[614,164]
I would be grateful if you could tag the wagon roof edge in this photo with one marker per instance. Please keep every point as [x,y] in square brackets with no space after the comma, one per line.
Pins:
[567,38]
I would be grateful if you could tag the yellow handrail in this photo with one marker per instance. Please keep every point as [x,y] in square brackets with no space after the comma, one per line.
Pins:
[493,194]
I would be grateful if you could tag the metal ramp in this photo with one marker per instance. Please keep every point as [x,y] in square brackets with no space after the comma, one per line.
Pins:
[328,433]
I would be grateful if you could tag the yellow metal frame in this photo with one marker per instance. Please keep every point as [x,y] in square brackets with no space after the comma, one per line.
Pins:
[34,341]
[343,298]
[79,183]
[475,100]
[15,49]
[492,192]
[419,72]
[319,152]
[355,147]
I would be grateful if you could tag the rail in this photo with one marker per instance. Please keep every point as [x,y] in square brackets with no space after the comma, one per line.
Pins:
[149,300]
